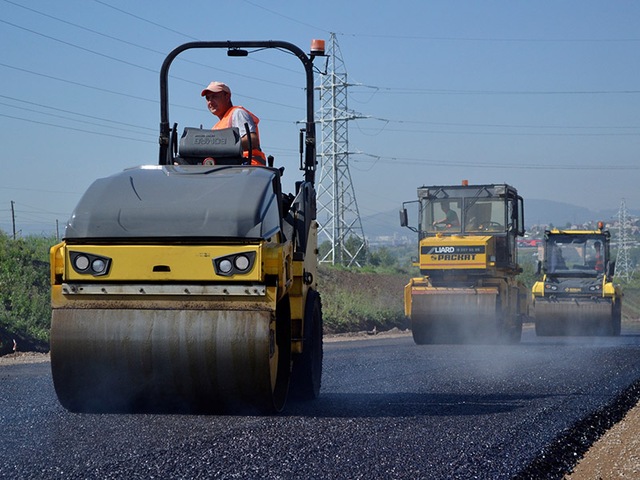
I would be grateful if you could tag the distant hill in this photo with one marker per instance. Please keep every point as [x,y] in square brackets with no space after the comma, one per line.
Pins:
[545,212]
[536,212]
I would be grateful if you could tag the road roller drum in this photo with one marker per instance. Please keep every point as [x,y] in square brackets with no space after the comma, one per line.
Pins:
[176,360]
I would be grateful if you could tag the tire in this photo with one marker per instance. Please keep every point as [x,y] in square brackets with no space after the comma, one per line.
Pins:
[283,340]
[421,334]
[513,334]
[306,375]
[616,319]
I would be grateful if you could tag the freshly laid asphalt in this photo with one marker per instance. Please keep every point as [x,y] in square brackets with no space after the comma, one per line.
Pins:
[388,409]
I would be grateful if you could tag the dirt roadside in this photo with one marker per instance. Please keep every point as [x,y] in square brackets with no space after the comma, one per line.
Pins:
[616,455]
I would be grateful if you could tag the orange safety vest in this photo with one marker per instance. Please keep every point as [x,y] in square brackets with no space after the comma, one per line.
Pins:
[257,156]
[599,262]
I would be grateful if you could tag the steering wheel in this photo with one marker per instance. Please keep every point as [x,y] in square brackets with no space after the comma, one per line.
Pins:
[493,226]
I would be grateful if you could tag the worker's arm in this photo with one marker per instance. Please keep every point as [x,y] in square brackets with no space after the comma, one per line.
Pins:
[255,142]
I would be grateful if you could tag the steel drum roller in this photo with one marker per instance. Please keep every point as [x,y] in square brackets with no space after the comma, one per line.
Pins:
[573,316]
[443,314]
[129,360]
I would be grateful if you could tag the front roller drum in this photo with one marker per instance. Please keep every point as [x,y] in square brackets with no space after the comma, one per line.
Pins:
[127,360]
[580,317]
[455,315]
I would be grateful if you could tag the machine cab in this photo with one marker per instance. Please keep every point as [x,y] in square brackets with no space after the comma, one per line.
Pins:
[576,253]
[471,210]
[468,210]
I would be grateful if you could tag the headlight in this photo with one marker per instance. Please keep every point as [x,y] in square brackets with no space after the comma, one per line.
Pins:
[98,266]
[241,262]
[225,266]
[89,264]
[234,264]
[595,288]
[81,262]
[551,287]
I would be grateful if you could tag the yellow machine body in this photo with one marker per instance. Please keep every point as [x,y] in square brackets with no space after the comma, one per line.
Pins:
[576,294]
[468,291]
[161,330]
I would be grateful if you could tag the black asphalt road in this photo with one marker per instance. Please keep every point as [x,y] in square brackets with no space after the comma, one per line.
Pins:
[388,409]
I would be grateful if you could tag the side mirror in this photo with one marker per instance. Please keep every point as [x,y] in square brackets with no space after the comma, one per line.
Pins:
[404,221]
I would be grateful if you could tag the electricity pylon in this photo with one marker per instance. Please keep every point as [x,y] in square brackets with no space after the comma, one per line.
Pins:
[338,215]
[623,269]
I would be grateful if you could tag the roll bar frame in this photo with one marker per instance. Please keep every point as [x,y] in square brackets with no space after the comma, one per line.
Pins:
[309,165]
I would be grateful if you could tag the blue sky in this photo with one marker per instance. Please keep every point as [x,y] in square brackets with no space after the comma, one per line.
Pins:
[543,95]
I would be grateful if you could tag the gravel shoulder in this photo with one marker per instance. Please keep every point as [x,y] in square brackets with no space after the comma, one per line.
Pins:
[615,455]
[24,357]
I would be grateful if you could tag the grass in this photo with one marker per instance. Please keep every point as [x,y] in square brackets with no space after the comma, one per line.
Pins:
[352,299]
[24,293]
[361,300]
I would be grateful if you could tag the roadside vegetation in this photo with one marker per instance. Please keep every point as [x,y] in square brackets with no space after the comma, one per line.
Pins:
[24,293]
[353,299]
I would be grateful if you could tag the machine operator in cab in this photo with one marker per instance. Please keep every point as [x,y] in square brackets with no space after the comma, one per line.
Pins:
[218,97]
[450,217]
[599,258]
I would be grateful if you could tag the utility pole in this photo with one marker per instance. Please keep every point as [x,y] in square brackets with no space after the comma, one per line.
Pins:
[623,269]
[13,219]
[338,215]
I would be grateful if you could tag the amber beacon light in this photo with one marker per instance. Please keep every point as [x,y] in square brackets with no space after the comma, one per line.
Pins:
[317,47]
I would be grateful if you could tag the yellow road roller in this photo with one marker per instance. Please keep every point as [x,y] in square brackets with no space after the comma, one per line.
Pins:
[468,290]
[190,285]
[576,294]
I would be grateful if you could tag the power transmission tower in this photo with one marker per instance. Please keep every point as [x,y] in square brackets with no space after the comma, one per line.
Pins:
[623,269]
[338,215]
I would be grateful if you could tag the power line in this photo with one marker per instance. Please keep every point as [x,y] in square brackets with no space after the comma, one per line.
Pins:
[82,27]
[509,134]
[88,50]
[65,127]
[378,89]
[75,113]
[532,166]
[23,189]
[495,39]
[501,125]
[434,91]
[450,39]
[403,91]
[159,52]
[85,122]
[113,92]
[115,59]
[38,210]
[142,19]
[71,82]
